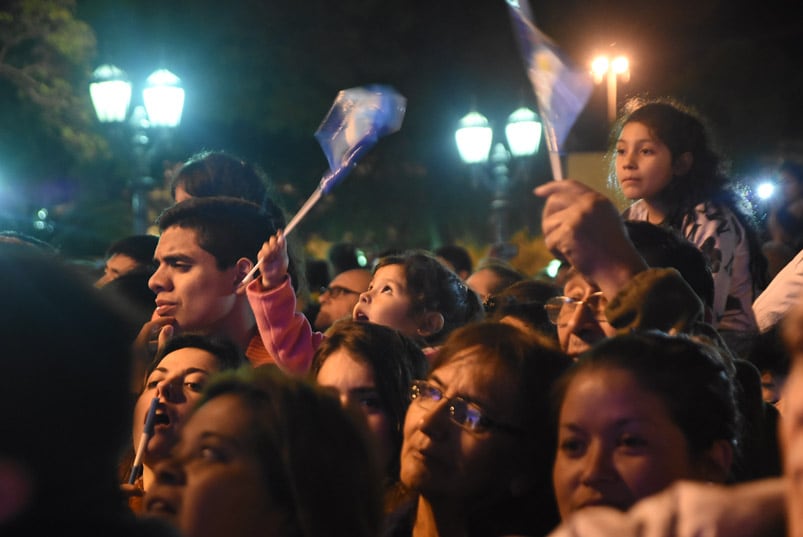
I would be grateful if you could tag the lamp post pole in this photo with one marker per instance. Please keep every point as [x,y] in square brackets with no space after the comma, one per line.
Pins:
[474,138]
[142,181]
[500,205]
[611,69]
[163,99]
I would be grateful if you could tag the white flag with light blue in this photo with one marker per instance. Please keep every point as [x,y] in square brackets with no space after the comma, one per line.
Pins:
[561,90]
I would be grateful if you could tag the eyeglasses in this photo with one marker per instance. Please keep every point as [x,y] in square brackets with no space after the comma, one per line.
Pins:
[462,412]
[560,309]
[335,291]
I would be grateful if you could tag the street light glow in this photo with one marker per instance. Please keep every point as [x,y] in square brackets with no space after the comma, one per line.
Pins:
[599,68]
[603,67]
[474,137]
[164,99]
[765,190]
[620,65]
[111,93]
[523,132]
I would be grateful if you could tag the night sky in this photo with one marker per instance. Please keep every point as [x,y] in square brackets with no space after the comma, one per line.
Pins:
[260,76]
[738,62]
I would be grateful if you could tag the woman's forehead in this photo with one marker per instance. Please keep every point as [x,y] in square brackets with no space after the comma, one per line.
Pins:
[476,369]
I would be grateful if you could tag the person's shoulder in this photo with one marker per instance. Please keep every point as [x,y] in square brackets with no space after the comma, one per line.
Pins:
[636,211]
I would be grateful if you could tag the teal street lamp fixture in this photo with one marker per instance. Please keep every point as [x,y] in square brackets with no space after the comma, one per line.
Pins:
[163,99]
[474,137]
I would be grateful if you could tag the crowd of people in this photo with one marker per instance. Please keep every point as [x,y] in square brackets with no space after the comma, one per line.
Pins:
[652,388]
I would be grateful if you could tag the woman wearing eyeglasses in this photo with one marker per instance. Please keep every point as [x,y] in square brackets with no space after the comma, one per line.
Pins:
[477,448]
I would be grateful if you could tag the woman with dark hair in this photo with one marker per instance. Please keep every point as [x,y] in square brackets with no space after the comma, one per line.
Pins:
[663,160]
[371,367]
[638,412]
[267,454]
[176,377]
[477,447]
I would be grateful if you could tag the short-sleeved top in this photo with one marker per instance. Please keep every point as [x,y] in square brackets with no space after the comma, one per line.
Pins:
[722,239]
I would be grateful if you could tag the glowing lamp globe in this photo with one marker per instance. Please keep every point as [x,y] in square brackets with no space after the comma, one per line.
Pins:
[164,99]
[523,132]
[474,137]
[110,91]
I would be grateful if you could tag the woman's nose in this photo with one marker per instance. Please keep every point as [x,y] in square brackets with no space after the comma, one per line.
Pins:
[597,465]
[434,420]
[169,472]
[166,389]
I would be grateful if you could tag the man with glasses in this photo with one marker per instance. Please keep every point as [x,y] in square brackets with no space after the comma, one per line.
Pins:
[610,287]
[579,315]
[339,298]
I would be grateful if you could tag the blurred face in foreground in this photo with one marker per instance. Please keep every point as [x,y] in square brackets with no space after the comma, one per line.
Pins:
[214,485]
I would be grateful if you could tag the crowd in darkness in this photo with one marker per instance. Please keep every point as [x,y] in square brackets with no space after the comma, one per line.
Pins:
[652,387]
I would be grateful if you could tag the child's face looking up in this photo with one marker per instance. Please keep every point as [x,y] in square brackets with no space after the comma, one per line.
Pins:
[643,163]
[387,302]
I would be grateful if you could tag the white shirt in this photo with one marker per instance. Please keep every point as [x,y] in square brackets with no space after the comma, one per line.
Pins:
[785,290]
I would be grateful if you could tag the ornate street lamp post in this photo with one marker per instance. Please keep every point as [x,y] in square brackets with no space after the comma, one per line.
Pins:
[163,99]
[474,137]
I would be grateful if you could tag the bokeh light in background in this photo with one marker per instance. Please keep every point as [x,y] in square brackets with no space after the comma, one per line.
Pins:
[765,189]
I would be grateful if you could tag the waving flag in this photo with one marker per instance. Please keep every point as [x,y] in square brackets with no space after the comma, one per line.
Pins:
[358,118]
[560,89]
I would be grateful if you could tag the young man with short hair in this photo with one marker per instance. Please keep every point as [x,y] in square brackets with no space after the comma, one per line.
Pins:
[206,247]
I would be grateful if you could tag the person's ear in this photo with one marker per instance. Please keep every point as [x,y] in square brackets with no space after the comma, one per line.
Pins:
[715,463]
[243,266]
[682,164]
[431,323]
[16,489]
